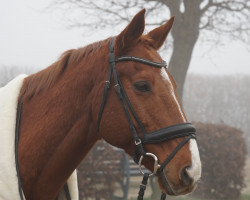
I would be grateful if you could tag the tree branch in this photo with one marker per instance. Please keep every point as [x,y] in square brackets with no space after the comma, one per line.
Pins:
[215,15]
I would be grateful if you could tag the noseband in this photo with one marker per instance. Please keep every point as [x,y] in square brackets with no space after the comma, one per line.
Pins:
[186,130]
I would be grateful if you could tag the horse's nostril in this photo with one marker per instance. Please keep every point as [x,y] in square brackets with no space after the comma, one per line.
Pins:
[185,177]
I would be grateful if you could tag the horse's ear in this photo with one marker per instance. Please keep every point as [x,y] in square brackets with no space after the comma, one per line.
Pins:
[131,34]
[159,35]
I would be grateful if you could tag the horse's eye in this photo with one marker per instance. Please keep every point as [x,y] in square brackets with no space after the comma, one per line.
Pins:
[142,86]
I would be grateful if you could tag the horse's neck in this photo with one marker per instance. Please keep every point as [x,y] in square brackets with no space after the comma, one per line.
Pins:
[57,131]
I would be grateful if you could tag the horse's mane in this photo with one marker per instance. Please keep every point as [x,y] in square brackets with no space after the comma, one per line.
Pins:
[44,79]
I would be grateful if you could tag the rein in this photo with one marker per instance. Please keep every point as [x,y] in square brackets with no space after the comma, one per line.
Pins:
[18,121]
[186,130]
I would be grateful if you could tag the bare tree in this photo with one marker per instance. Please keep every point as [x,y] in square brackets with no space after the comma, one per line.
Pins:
[204,19]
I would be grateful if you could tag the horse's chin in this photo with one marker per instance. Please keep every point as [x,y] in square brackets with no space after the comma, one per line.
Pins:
[164,185]
[168,189]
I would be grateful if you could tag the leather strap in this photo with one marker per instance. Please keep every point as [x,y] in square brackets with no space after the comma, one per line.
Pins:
[143,186]
[142,60]
[107,84]
[66,190]
[169,133]
[18,121]
[131,109]
[163,196]
[169,158]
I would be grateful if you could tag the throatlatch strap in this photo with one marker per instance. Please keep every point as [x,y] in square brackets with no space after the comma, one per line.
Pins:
[107,84]
[106,87]
[143,186]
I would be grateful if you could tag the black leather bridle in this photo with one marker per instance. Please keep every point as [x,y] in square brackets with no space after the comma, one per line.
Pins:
[186,130]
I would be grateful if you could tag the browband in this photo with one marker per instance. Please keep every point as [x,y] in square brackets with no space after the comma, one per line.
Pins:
[142,60]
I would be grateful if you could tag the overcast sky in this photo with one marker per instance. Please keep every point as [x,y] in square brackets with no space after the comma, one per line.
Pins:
[31,37]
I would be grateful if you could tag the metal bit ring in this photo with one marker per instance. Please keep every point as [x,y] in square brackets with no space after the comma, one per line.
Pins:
[156,165]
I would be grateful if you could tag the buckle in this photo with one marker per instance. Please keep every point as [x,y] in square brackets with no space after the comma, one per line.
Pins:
[138,142]
[107,84]
[117,88]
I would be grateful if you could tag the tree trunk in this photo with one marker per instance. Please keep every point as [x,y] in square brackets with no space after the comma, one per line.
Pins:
[185,33]
[180,60]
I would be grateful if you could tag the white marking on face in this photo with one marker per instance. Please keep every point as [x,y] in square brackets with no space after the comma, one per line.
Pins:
[166,78]
[194,170]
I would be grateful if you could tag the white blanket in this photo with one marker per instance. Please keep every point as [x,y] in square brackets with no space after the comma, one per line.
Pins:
[8,175]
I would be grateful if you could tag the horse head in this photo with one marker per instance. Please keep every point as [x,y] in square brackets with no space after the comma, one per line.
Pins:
[64,105]
[151,92]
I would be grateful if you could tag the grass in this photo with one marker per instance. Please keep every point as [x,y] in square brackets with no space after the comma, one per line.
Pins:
[245,197]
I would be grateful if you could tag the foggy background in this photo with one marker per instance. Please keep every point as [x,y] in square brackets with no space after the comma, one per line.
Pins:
[33,34]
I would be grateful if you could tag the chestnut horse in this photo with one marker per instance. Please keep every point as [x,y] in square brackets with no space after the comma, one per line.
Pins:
[60,107]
